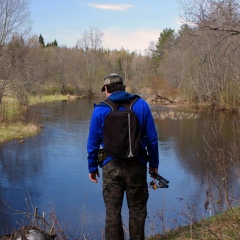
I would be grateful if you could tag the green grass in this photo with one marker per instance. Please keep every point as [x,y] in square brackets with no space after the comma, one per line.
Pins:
[12,125]
[47,98]
[9,110]
[17,131]
[223,226]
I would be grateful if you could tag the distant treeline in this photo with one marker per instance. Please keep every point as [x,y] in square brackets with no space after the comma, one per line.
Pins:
[199,63]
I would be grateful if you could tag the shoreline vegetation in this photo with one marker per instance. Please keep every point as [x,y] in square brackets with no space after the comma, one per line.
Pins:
[222,226]
[13,126]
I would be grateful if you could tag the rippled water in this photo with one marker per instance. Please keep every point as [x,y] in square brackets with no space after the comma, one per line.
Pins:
[49,171]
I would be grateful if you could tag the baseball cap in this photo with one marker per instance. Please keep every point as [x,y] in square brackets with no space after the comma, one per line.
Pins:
[112,78]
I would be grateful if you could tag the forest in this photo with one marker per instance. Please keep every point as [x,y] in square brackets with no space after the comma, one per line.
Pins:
[197,64]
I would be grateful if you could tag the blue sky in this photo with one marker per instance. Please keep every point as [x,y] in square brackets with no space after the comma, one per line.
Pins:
[128,24]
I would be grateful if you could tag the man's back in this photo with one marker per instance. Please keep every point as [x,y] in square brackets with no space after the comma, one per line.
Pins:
[121,131]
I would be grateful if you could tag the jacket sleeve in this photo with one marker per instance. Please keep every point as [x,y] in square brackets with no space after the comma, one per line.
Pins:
[150,138]
[94,141]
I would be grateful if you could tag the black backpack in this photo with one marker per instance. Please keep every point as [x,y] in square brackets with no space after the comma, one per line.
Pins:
[121,130]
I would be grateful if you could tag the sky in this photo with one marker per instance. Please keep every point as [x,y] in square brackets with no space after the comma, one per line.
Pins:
[128,24]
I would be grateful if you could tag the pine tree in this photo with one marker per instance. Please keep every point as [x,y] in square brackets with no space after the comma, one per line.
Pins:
[41,40]
[55,43]
[166,36]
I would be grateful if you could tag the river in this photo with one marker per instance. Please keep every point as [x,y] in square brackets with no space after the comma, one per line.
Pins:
[49,171]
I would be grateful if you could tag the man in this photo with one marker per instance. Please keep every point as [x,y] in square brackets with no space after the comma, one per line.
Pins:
[123,175]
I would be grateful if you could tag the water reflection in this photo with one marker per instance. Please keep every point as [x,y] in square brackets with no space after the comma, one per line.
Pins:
[49,171]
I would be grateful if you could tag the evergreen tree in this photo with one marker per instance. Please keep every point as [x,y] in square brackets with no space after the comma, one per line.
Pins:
[41,40]
[163,44]
[184,29]
[55,43]
[166,36]
[52,44]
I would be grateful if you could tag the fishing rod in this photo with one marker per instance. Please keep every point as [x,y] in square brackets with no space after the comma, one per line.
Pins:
[159,181]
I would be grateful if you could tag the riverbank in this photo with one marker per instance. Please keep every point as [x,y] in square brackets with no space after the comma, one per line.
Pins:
[18,129]
[222,226]
[14,128]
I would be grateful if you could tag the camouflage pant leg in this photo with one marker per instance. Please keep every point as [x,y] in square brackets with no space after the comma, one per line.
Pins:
[113,192]
[137,197]
[118,176]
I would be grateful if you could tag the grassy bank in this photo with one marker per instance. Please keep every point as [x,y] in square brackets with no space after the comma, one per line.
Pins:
[13,125]
[47,98]
[223,226]
[17,130]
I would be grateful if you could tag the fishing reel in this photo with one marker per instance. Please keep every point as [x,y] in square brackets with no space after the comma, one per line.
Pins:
[158,181]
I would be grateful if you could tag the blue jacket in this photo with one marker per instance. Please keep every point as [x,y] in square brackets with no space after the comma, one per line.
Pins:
[149,135]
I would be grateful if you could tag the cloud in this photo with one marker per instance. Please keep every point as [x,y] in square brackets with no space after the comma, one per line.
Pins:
[113,38]
[137,40]
[117,7]
[181,21]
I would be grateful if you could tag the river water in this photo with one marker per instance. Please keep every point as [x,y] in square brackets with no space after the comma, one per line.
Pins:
[49,171]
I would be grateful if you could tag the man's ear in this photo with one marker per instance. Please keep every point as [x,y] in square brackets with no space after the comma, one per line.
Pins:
[106,92]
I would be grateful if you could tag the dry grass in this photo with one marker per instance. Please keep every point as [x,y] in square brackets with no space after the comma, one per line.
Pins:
[12,118]
[47,98]
[17,131]
[224,226]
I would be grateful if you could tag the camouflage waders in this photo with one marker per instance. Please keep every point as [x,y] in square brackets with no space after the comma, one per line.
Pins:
[120,176]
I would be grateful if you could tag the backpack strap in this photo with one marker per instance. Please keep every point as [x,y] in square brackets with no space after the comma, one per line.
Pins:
[111,104]
[114,105]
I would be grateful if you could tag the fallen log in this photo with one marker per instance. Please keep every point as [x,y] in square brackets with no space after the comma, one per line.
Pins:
[164,98]
[157,97]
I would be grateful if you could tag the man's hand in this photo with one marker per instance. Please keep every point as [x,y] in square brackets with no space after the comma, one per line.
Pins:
[93,176]
[153,170]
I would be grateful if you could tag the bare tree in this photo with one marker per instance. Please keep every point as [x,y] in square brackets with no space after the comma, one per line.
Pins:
[151,49]
[17,69]
[14,18]
[207,52]
[91,39]
[77,71]
[14,21]
[90,43]
[222,16]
